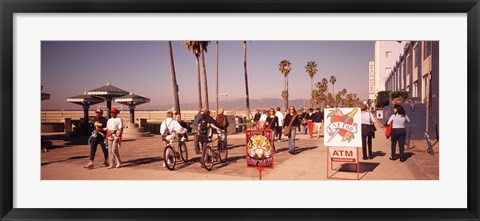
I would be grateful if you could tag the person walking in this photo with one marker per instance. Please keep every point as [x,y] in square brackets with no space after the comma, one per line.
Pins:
[291,119]
[367,132]
[272,123]
[317,119]
[256,119]
[279,115]
[304,121]
[263,118]
[196,143]
[114,138]
[222,121]
[98,138]
[398,120]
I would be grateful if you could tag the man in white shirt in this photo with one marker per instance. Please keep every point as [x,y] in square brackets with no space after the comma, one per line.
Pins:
[280,124]
[173,127]
[114,137]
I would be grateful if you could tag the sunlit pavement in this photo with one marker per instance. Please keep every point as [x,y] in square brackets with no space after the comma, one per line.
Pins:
[142,160]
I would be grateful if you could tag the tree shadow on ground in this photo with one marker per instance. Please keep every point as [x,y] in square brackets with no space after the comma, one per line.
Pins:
[230,160]
[59,161]
[141,161]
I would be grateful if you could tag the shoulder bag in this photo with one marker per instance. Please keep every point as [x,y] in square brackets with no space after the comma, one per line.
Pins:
[286,130]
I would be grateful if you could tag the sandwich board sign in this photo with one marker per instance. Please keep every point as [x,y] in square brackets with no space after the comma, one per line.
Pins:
[342,136]
[259,149]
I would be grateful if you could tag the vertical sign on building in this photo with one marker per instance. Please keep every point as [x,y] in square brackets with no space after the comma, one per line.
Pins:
[371,80]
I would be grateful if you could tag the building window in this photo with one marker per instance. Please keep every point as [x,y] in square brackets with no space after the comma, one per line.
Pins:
[388,54]
[388,71]
[418,55]
[427,47]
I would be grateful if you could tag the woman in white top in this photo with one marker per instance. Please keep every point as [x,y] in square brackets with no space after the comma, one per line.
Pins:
[367,132]
[114,138]
[398,120]
[172,126]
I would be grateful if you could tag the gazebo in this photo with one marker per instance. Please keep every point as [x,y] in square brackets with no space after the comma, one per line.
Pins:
[107,92]
[132,100]
[85,101]
[45,96]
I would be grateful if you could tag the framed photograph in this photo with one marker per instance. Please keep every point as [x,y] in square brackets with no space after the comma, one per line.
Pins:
[72,52]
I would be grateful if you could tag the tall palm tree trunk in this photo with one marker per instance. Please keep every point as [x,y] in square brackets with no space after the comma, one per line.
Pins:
[199,83]
[311,91]
[333,94]
[174,79]
[287,94]
[205,82]
[216,95]
[246,79]
[285,89]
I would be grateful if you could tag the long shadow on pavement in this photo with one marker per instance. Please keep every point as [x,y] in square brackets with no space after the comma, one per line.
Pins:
[59,161]
[141,161]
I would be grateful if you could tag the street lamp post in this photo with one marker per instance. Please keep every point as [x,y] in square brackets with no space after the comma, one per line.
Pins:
[222,95]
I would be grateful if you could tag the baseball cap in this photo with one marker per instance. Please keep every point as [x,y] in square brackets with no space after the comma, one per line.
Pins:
[99,111]
[114,110]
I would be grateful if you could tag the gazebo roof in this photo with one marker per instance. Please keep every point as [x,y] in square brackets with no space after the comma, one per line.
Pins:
[108,90]
[84,99]
[132,99]
[45,96]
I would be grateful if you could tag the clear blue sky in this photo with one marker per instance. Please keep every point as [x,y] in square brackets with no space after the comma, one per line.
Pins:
[68,68]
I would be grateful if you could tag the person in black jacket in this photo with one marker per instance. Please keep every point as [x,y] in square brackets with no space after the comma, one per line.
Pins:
[291,122]
[271,123]
[317,119]
[256,118]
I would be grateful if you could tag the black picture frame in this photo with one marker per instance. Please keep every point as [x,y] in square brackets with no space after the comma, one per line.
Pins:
[9,7]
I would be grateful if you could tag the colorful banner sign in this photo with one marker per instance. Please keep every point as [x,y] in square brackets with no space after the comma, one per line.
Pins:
[343,154]
[342,127]
[259,148]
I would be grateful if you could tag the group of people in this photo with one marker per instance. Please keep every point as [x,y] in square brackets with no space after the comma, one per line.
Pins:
[107,134]
[398,120]
[289,123]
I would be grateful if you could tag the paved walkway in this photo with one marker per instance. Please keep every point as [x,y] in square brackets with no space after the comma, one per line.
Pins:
[142,160]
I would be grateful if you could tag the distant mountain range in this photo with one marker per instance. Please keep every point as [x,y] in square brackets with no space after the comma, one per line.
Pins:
[235,104]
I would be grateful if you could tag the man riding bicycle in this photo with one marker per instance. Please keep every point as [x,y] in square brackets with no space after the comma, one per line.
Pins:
[170,128]
[206,124]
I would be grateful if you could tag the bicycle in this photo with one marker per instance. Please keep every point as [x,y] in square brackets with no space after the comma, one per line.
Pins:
[171,153]
[212,154]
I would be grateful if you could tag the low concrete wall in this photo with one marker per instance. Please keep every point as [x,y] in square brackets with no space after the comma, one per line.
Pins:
[52,127]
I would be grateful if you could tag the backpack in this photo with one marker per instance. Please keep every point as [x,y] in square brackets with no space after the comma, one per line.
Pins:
[203,130]
[166,132]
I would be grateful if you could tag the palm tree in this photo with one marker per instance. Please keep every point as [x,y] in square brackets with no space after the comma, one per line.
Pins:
[285,67]
[311,69]
[324,87]
[194,47]
[203,49]
[174,79]
[216,95]
[246,78]
[333,79]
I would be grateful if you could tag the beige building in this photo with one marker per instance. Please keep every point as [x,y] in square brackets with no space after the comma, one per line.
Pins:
[387,54]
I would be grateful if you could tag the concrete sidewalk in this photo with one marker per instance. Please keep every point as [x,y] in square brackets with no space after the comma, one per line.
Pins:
[142,160]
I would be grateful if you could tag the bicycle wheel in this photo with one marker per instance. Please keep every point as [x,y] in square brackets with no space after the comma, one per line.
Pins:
[223,152]
[183,152]
[207,158]
[169,157]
